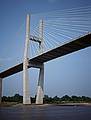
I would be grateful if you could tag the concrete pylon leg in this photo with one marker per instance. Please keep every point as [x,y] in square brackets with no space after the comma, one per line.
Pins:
[0,90]
[40,89]
[26,95]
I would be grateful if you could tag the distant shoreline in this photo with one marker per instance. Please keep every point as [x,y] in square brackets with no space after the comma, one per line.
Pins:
[74,104]
[66,104]
[12,104]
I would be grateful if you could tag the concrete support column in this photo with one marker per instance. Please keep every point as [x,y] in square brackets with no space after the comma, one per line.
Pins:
[0,90]
[40,89]
[41,44]
[26,94]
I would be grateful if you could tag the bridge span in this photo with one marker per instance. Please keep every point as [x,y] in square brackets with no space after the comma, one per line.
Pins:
[75,45]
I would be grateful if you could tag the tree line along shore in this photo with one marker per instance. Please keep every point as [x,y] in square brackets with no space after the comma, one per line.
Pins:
[49,100]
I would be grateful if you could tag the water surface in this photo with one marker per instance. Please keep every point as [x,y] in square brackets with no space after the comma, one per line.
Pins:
[45,112]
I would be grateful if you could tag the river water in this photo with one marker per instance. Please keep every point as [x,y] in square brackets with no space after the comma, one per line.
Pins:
[45,112]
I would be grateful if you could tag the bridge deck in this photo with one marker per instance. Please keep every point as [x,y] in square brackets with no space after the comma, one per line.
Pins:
[75,45]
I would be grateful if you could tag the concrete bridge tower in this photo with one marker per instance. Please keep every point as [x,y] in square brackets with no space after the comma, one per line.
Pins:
[40,87]
[0,90]
[26,94]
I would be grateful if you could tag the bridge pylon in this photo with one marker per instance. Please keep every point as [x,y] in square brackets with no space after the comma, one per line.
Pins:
[26,94]
[0,90]
[26,64]
[40,87]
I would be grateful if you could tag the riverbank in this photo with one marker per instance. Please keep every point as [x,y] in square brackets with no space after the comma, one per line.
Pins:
[12,104]
[8,104]
[75,104]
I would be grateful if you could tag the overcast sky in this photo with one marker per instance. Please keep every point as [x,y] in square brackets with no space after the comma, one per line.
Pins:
[69,75]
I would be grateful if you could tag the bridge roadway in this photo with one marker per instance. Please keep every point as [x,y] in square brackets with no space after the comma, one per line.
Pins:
[72,46]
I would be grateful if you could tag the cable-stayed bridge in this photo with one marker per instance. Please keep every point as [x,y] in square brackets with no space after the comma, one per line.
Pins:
[62,33]
[78,44]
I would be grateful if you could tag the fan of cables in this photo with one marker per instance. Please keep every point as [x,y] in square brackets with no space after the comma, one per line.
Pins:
[60,27]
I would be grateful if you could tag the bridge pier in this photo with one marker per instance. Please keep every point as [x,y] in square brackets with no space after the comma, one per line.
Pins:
[26,93]
[40,89]
[0,90]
